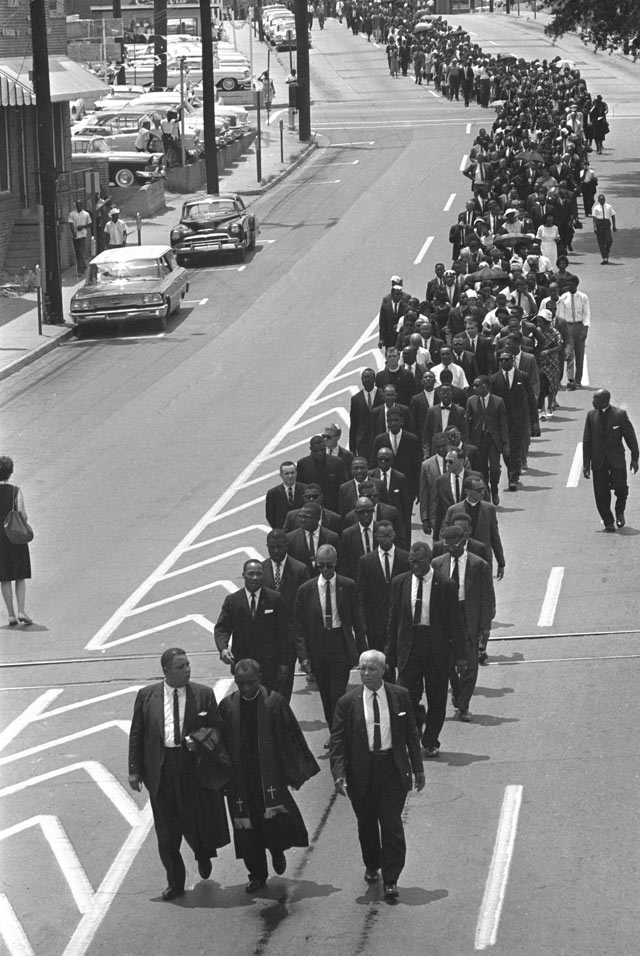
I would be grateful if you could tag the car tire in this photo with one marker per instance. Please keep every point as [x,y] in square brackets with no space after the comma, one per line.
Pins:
[228,84]
[182,261]
[80,331]
[242,253]
[124,177]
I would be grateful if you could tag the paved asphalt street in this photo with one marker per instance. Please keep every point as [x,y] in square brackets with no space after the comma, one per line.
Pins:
[145,461]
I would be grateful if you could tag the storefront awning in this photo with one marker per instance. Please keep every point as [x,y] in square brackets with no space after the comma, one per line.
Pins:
[69,81]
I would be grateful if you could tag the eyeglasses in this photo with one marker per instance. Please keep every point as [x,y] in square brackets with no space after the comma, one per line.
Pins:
[311,497]
[323,564]
[506,358]
[385,458]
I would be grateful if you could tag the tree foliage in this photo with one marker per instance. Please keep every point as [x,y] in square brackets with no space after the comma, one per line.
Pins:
[604,24]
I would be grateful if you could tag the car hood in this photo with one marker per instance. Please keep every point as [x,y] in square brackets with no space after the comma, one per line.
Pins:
[209,223]
[118,288]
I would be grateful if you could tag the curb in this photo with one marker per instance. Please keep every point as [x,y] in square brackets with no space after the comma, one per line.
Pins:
[260,190]
[36,353]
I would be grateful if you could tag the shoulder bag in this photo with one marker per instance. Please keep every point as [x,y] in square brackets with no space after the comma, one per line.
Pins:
[17,530]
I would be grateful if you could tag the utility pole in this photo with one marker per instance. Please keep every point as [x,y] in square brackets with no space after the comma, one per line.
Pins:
[209,100]
[302,75]
[46,162]
[160,43]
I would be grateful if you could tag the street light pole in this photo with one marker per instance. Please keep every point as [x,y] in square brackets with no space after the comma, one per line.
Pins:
[209,100]
[46,161]
[302,74]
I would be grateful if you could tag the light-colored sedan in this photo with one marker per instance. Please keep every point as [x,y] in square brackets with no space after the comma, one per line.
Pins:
[130,283]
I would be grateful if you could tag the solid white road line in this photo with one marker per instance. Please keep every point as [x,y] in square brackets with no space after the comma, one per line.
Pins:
[423,251]
[353,162]
[203,301]
[449,203]
[365,142]
[463,164]
[576,468]
[318,182]
[496,885]
[585,372]
[11,930]
[551,596]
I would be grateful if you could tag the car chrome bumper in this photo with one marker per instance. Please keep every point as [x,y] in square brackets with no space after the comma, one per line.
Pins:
[207,245]
[122,315]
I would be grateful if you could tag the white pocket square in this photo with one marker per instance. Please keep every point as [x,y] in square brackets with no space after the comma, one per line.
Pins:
[615,426]
[202,713]
[268,610]
[402,713]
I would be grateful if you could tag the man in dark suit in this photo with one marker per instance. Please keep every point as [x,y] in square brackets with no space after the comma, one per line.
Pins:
[468,451]
[448,488]
[360,414]
[397,494]
[254,620]
[424,636]
[436,283]
[283,498]
[605,430]
[331,434]
[375,573]
[312,494]
[394,374]
[430,470]
[488,430]
[392,308]
[430,341]
[161,757]
[357,539]
[422,402]
[484,520]
[466,360]
[284,574]
[329,630]
[514,388]
[374,752]
[303,543]
[379,415]
[475,603]
[441,416]
[381,510]
[406,448]
[327,471]
[350,490]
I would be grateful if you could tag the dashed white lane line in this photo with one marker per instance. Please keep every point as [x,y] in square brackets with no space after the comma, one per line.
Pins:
[576,467]
[468,129]
[496,885]
[449,203]
[203,301]
[554,584]
[433,93]
[585,373]
[423,251]
[463,164]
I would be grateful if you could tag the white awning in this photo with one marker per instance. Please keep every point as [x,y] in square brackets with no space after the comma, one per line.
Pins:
[68,80]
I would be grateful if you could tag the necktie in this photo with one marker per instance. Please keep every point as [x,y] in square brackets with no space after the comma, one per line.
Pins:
[457,488]
[367,546]
[328,613]
[176,717]
[377,736]
[573,308]
[277,580]
[369,400]
[455,572]
[394,443]
[385,478]
[417,611]
[506,378]
[387,568]
[253,605]
[290,495]
[312,550]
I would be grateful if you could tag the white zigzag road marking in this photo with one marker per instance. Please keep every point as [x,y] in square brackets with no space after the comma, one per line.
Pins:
[195,618]
[229,586]
[11,930]
[123,725]
[236,510]
[349,389]
[232,534]
[28,715]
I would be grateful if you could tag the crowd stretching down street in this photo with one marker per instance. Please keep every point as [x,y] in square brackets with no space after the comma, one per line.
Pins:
[385,551]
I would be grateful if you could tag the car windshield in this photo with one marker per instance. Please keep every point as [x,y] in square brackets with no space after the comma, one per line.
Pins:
[98,146]
[121,270]
[201,210]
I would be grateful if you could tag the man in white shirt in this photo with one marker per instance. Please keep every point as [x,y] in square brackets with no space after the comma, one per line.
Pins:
[573,308]
[116,230]
[80,222]
[446,357]
[604,221]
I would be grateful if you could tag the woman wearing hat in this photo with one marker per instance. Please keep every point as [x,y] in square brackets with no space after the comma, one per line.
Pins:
[549,348]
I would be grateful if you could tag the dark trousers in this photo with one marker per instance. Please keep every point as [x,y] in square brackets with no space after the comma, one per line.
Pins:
[427,669]
[604,237]
[81,247]
[332,673]
[462,688]
[490,467]
[379,814]
[605,480]
[173,818]
[575,350]
[514,459]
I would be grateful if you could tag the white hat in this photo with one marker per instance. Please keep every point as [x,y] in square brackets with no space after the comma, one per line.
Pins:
[396,280]
[114,211]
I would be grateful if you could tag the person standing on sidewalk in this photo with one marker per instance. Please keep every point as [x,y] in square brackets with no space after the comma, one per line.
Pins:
[80,222]
[116,230]
[604,222]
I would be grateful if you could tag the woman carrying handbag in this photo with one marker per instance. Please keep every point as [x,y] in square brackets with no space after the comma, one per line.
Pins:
[15,563]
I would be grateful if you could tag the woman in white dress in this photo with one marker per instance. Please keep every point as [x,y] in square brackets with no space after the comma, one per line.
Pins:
[548,234]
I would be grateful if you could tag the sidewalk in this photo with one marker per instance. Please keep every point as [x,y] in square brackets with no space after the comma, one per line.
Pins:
[20,342]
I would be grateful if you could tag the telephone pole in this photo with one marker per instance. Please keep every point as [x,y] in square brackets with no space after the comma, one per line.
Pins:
[46,162]
[209,100]
[160,43]
[302,76]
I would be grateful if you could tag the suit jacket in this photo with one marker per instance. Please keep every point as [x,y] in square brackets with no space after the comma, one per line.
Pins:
[349,746]
[388,320]
[433,424]
[329,520]
[432,287]
[398,497]
[352,549]
[529,365]
[383,512]
[520,401]
[379,422]
[294,574]
[434,346]
[486,529]
[478,593]
[277,505]
[447,636]
[146,737]
[404,382]
[309,622]
[408,458]
[374,594]
[603,438]
[468,364]
[345,457]
[329,474]
[298,547]
[429,473]
[349,494]
[458,395]
[483,354]
[265,638]
[492,421]
[444,500]
[361,422]
[419,408]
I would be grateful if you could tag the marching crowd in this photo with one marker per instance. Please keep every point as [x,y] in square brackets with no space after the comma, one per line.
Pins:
[471,366]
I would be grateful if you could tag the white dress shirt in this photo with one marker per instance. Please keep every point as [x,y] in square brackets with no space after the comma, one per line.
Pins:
[391,552]
[574,308]
[452,481]
[322,591]
[601,211]
[168,712]
[426,596]
[395,440]
[445,412]
[385,719]
[369,535]
[459,378]
[273,568]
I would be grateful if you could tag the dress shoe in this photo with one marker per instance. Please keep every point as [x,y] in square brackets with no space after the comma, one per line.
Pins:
[620,522]
[279,861]
[513,486]
[25,619]
[391,893]
[571,385]
[327,744]
[254,884]
[483,658]
[172,893]
[609,527]
[454,702]
[495,497]
[204,868]
[371,876]
[13,622]
[431,752]
[465,716]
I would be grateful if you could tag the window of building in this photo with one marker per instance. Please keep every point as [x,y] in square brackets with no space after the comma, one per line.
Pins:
[5,159]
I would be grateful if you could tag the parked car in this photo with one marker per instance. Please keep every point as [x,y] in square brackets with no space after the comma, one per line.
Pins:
[123,165]
[135,282]
[214,224]
[118,95]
